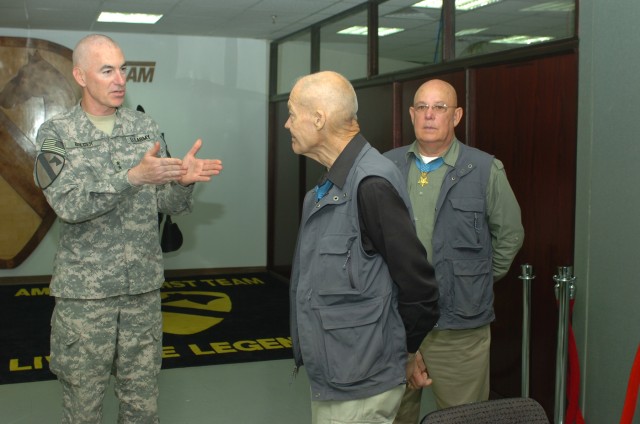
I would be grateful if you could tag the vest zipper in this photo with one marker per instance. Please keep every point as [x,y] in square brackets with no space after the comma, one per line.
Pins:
[347,266]
[475,226]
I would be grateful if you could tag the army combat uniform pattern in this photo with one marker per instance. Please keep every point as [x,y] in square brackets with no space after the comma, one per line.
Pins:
[108,268]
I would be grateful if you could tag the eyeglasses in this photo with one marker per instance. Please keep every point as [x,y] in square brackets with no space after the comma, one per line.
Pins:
[438,108]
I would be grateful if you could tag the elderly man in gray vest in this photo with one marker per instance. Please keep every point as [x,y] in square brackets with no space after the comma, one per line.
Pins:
[363,295]
[468,219]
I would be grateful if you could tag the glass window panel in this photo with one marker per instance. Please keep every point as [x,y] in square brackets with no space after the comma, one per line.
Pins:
[510,24]
[345,53]
[294,60]
[418,44]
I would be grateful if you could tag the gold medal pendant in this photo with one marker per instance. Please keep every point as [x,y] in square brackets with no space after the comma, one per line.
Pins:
[423,180]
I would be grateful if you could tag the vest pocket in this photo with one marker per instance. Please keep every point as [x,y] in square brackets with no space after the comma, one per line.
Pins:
[472,293]
[468,221]
[352,340]
[336,264]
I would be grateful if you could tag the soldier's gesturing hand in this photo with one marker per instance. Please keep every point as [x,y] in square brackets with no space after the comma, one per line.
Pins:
[155,170]
[198,170]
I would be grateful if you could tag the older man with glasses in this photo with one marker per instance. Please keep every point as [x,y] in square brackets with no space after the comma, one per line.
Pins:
[468,219]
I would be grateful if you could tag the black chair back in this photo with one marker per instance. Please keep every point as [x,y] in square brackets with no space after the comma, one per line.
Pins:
[498,411]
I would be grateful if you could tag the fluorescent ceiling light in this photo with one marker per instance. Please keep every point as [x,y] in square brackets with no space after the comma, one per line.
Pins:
[362,30]
[460,4]
[552,6]
[354,30]
[470,31]
[432,4]
[521,39]
[129,18]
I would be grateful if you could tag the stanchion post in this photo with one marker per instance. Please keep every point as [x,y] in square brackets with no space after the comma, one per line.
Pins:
[565,290]
[526,277]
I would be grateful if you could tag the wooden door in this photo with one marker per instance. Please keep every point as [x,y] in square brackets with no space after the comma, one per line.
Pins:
[526,115]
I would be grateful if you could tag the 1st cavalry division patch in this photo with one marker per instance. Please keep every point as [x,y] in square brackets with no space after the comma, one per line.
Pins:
[49,162]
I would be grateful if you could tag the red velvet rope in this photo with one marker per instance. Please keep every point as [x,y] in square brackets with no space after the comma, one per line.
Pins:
[632,391]
[573,413]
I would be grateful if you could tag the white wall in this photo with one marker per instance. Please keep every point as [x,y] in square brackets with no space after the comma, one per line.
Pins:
[607,312]
[216,89]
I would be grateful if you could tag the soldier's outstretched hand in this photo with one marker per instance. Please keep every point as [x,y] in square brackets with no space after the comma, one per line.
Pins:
[198,170]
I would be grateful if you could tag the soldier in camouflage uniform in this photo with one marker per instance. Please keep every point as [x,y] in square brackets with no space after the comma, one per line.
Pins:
[104,170]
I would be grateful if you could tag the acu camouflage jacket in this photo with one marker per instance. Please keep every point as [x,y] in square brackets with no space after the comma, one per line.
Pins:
[109,243]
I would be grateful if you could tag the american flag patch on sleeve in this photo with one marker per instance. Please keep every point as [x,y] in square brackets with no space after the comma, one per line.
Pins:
[53,146]
[49,162]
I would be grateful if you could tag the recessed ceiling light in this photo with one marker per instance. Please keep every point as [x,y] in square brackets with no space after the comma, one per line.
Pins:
[129,18]
[552,6]
[362,30]
[470,31]
[521,39]
[431,4]
[460,4]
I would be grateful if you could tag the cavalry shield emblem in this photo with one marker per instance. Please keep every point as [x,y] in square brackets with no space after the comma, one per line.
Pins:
[190,312]
[36,84]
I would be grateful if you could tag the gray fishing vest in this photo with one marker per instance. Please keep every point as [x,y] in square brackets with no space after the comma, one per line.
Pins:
[462,252]
[345,321]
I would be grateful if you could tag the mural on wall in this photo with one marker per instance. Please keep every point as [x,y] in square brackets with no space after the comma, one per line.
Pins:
[36,83]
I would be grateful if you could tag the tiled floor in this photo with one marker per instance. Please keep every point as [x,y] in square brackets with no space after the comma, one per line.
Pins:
[249,393]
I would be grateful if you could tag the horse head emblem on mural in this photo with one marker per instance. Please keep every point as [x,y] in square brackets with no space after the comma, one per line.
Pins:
[36,84]
[41,80]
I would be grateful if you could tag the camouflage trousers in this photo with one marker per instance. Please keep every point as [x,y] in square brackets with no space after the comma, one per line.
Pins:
[94,339]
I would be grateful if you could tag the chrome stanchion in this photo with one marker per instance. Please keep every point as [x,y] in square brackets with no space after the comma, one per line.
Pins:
[565,290]
[526,277]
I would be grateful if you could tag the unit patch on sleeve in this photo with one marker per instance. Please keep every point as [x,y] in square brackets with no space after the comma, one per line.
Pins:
[49,162]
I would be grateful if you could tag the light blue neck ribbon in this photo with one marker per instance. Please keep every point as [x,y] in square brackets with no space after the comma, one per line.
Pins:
[322,190]
[428,167]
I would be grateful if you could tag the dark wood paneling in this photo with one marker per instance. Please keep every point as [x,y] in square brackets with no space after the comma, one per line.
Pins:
[526,115]
[284,193]
[375,115]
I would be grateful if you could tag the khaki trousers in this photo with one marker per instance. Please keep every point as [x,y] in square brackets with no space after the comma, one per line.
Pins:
[458,363]
[378,409]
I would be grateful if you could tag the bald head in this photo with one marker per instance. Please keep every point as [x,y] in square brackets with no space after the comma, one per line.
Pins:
[332,93]
[435,130]
[88,45]
[446,91]
[99,67]
[322,119]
